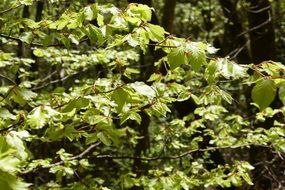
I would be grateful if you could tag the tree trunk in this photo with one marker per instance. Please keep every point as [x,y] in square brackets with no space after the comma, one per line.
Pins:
[21,45]
[234,42]
[261,31]
[263,47]
[140,167]
[168,15]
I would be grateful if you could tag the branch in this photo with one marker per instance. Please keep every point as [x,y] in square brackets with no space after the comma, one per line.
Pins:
[7,78]
[19,40]
[58,80]
[10,9]
[180,155]
[260,10]
[81,155]
[256,27]
[21,120]
[8,93]
[166,46]
[36,44]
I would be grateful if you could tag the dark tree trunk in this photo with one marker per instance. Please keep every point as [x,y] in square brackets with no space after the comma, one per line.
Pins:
[25,14]
[168,15]
[142,146]
[263,47]
[39,11]
[21,45]
[38,18]
[234,42]
[261,31]
[139,167]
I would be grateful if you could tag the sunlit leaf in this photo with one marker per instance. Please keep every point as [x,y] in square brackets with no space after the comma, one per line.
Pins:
[263,93]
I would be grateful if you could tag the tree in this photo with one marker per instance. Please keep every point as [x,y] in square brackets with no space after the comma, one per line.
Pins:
[99,100]
[234,41]
[261,31]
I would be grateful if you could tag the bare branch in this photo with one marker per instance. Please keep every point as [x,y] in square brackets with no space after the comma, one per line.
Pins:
[256,27]
[260,10]
[7,78]
[180,155]
[9,9]
[58,80]
[81,155]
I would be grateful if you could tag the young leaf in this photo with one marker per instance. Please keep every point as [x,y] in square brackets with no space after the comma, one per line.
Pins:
[77,104]
[104,139]
[156,32]
[263,93]
[11,182]
[5,114]
[37,118]
[176,57]
[120,96]
[144,89]
[196,55]
[27,37]
[139,10]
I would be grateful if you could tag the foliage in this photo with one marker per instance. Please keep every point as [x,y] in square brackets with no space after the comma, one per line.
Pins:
[71,111]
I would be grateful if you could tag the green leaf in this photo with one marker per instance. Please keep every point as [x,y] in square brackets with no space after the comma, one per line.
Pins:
[90,12]
[176,58]
[144,89]
[9,164]
[229,69]
[246,177]
[21,95]
[94,34]
[91,138]
[132,116]
[26,2]
[141,11]
[236,180]
[27,37]
[100,20]
[11,182]
[104,139]
[282,94]
[38,52]
[263,93]
[156,32]
[77,104]
[131,40]
[196,55]
[27,94]
[37,118]
[5,114]
[14,140]
[90,116]
[62,22]
[120,96]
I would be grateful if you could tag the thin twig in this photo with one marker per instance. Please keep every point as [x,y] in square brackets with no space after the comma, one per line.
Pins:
[177,156]
[8,93]
[167,46]
[19,40]
[81,155]
[35,44]
[58,80]
[7,78]
[9,9]
[260,10]
[256,27]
